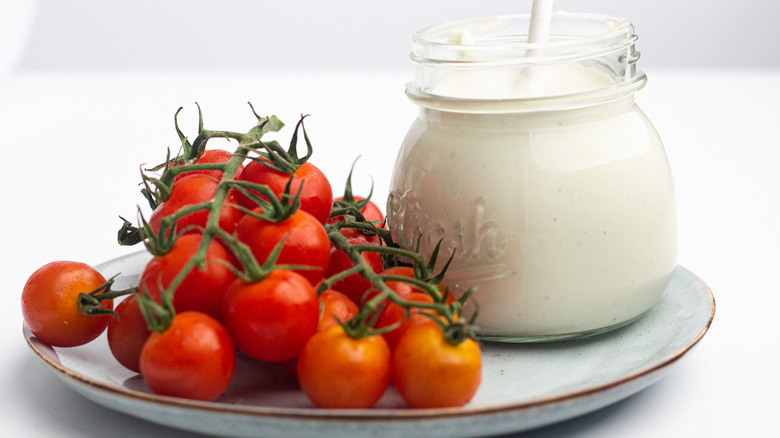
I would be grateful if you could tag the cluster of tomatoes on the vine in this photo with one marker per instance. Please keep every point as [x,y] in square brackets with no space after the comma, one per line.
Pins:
[252,254]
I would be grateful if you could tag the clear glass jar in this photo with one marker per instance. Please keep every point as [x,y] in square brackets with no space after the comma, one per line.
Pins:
[535,166]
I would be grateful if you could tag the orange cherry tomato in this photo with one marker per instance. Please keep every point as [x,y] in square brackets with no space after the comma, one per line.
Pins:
[430,372]
[337,371]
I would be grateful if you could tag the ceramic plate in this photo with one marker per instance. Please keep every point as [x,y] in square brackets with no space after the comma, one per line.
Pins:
[523,387]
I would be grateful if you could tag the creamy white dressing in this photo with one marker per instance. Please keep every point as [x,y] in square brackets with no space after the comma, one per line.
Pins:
[564,219]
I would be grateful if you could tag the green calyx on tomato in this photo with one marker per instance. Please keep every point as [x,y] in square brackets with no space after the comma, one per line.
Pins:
[204,215]
[441,308]
[252,259]
[351,204]
[285,161]
[272,207]
[350,229]
[91,303]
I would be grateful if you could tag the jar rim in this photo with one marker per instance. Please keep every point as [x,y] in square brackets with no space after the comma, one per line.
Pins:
[435,45]
[487,65]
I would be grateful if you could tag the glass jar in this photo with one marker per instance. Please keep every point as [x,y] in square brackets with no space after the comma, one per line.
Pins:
[532,164]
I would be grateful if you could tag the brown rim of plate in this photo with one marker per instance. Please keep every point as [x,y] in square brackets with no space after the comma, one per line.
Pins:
[369,415]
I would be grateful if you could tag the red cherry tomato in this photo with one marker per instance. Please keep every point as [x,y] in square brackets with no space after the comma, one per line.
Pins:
[212,156]
[355,285]
[202,289]
[190,190]
[50,304]
[271,320]
[400,287]
[316,196]
[128,333]
[430,372]
[335,305]
[194,358]
[306,241]
[337,371]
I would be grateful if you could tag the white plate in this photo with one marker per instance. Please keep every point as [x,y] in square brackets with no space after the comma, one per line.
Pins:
[523,386]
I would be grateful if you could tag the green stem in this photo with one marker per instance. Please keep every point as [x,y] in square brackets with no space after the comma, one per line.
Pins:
[360,324]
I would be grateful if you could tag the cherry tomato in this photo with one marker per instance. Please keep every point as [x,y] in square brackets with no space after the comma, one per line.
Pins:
[194,358]
[271,320]
[355,285]
[400,287]
[202,289]
[316,196]
[306,241]
[128,333]
[212,156]
[430,372]
[350,233]
[50,304]
[335,305]
[392,313]
[194,189]
[337,371]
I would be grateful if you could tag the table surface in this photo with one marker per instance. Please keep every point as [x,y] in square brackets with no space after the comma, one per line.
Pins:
[73,143]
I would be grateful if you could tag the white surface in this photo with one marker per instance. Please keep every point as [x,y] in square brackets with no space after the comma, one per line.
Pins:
[72,144]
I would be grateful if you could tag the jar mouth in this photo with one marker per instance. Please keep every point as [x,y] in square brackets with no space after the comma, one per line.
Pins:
[490,59]
[503,40]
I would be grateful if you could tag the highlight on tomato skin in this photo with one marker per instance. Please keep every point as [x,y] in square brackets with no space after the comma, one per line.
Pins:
[50,304]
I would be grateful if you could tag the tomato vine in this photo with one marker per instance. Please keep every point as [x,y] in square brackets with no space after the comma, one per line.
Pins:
[250,248]
[252,146]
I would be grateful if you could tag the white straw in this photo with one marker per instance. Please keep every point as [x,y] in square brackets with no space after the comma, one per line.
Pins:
[541,16]
[538,30]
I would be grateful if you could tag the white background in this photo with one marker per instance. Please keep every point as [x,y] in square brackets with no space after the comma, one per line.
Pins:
[238,34]
[95,85]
